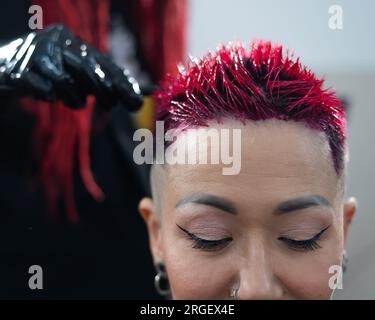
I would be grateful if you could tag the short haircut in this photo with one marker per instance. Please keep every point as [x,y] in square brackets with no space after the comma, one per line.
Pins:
[257,84]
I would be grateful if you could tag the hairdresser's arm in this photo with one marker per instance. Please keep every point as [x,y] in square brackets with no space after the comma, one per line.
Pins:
[54,64]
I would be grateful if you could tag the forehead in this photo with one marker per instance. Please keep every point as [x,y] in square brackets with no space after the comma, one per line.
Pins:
[279,160]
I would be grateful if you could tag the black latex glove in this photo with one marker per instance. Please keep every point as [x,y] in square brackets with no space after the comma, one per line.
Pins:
[54,64]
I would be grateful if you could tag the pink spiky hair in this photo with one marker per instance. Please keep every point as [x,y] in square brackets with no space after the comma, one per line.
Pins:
[261,84]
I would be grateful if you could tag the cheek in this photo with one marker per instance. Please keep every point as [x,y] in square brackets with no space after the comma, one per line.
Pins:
[196,275]
[307,275]
[309,279]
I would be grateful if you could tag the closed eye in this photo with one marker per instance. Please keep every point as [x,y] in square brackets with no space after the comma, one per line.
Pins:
[304,245]
[205,244]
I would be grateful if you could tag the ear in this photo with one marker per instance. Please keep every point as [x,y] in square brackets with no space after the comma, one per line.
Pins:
[146,209]
[350,209]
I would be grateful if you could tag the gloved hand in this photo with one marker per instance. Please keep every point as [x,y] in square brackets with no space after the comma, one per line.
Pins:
[54,64]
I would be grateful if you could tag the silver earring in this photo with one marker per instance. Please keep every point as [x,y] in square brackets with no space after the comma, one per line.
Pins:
[161,280]
[345,260]
[234,293]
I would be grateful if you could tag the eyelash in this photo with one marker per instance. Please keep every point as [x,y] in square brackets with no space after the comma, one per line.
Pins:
[213,245]
[204,244]
[304,245]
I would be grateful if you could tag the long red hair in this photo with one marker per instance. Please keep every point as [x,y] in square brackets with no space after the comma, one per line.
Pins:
[62,135]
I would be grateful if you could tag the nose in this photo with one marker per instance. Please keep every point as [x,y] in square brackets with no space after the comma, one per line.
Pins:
[257,277]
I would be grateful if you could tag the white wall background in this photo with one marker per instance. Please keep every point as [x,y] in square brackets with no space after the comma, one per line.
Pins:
[346,58]
[299,24]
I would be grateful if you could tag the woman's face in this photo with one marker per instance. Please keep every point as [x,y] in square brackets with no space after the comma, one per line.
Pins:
[273,230]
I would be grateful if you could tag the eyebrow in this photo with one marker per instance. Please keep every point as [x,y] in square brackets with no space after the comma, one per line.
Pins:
[209,200]
[301,203]
[228,206]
